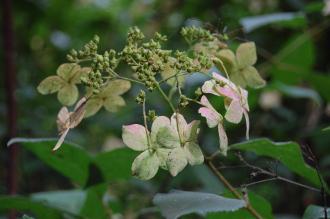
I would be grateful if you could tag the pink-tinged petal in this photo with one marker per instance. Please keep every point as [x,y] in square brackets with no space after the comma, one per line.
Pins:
[223,139]
[61,140]
[224,80]
[229,92]
[220,78]
[234,112]
[135,137]
[208,87]
[205,102]
[244,99]
[247,122]
[212,118]
[81,102]
[158,123]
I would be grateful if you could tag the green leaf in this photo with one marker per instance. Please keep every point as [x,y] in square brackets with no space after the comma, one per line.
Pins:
[93,206]
[298,92]
[286,152]
[291,67]
[261,205]
[145,166]
[326,129]
[68,95]
[320,82]
[315,212]
[116,164]
[71,161]
[251,23]
[50,85]
[25,205]
[246,54]
[87,203]
[178,203]
[69,201]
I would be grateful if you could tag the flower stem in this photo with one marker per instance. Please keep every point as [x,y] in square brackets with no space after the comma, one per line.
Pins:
[165,97]
[248,206]
[174,111]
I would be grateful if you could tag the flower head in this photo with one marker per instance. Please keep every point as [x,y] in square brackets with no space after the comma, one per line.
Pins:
[236,101]
[164,147]
[240,65]
[68,75]
[109,97]
[68,120]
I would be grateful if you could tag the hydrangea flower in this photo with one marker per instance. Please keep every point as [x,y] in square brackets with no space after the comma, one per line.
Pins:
[186,148]
[109,97]
[236,105]
[236,101]
[213,119]
[68,120]
[240,65]
[162,147]
[68,75]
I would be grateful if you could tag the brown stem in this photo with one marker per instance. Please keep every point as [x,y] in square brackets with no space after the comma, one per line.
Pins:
[10,84]
[248,206]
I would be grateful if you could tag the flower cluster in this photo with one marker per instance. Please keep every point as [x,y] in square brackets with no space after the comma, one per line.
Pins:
[171,145]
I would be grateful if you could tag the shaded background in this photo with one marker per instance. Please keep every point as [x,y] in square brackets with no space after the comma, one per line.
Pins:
[293,58]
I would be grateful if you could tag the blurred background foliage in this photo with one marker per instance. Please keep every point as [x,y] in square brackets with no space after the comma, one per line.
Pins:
[292,38]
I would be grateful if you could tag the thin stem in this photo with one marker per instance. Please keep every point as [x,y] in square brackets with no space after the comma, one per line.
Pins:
[224,68]
[174,111]
[124,78]
[165,97]
[129,79]
[248,206]
[260,181]
[266,172]
[145,122]
[172,76]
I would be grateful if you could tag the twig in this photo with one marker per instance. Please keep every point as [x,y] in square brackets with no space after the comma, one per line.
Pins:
[248,206]
[317,167]
[260,181]
[266,172]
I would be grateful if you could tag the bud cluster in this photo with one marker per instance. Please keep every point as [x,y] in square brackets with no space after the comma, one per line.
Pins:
[194,34]
[183,101]
[146,59]
[140,97]
[88,50]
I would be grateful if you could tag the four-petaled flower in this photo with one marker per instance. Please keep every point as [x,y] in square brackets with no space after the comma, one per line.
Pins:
[164,147]
[68,75]
[240,67]
[109,97]
[236,102]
